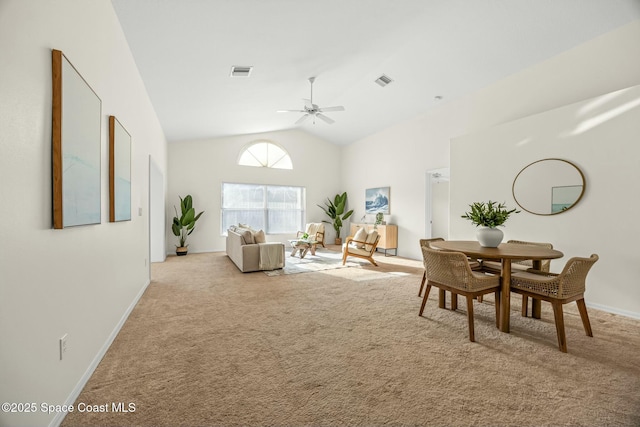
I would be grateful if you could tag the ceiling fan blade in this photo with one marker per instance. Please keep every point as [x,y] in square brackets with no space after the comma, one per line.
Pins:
[325,118]
[291,111]
[302,119]
[339,108]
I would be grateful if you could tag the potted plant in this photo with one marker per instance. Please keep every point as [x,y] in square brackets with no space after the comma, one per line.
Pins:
[335,210]
[488,216]
[379,220]
[184,224]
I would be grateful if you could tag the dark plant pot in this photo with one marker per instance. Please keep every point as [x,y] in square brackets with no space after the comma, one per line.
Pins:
[181,250]
[338,240]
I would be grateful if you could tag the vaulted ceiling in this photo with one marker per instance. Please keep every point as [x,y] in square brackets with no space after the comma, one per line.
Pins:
[185,49]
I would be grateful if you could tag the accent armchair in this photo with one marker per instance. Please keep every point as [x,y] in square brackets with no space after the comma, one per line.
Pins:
[361,245]
[315,230]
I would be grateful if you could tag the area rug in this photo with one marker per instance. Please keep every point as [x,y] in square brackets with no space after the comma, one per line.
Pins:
[324,259]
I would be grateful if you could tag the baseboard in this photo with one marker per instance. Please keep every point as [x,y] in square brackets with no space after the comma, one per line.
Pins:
[57,420]
[614,310]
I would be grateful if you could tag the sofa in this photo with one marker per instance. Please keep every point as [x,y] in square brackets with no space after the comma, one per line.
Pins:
[250,252]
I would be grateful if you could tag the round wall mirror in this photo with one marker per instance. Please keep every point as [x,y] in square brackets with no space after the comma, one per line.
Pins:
[548,186]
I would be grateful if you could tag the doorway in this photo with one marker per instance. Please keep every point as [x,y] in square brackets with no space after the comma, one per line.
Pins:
[437,203]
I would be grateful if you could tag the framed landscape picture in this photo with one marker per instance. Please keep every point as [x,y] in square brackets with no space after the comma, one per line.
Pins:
[76,132]
[377,200]
[119,172]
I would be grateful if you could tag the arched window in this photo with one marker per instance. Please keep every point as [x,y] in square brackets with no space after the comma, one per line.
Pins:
[265,154]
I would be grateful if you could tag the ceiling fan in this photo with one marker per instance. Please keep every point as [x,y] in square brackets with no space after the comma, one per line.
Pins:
[312,110]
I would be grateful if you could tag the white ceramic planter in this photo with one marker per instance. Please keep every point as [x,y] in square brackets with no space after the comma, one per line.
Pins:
[489,237]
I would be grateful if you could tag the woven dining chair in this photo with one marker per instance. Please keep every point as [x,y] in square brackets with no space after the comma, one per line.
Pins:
[450,271]
[442,296]
[558,289]
[495,266]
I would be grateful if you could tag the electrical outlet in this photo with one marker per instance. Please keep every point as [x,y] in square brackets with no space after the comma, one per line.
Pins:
[63,345]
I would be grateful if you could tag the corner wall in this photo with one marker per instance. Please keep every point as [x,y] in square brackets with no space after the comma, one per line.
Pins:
[79,281]
[406,151]
[200,167]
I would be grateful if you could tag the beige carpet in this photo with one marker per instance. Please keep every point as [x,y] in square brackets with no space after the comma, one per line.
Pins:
[210,346]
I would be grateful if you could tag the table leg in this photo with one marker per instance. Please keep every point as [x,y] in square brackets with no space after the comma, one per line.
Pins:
[505,297]
[304,251]
[313,249]
[294,250]
[536,304]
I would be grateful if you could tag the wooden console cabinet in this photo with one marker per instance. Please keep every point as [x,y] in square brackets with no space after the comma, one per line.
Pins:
[388,236]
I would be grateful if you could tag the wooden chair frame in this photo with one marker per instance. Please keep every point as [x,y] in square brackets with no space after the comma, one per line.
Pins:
[369,257]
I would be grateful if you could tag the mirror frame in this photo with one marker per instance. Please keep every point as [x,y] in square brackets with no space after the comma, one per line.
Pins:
[584,186]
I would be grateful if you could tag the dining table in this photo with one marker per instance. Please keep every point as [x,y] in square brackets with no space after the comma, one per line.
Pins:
[505,252]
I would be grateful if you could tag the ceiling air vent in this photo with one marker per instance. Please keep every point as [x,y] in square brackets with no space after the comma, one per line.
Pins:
[383,80]
[240,71]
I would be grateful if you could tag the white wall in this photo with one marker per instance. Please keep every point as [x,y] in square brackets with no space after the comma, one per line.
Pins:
[200,167]
[82,280]
[600,136]
[403,153]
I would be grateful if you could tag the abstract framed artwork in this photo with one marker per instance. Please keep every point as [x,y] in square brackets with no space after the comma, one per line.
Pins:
[76,134]
[119,172]
[377,200]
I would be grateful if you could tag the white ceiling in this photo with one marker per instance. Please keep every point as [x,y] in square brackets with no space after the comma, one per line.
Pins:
[184,50]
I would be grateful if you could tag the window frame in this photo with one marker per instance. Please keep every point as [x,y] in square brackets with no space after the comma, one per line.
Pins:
[265,208]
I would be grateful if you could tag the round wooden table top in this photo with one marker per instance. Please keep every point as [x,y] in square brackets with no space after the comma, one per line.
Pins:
[503,251]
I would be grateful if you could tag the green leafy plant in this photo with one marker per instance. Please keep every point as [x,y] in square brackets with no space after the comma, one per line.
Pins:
[488,214]
[184,224]
[379,218]
[335,210]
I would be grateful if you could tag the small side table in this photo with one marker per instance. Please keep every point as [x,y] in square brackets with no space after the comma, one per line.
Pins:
[303,246]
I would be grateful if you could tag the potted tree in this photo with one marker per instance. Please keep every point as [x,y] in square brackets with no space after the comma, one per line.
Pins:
[335,210]
[488,216]
[184,224]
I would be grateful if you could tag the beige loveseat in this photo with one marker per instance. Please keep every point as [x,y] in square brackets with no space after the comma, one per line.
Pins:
[248,255]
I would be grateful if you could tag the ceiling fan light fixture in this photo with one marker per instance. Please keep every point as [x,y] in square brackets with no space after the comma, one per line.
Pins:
[240,71]
[383,80]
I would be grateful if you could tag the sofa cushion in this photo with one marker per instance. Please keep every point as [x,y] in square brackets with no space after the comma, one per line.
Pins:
[247,236]
[361,235]
[259,237]
[371,238]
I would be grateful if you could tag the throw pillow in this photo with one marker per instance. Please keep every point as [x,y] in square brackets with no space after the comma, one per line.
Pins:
[247,236]
[259,237]
[371,238]
[360,235]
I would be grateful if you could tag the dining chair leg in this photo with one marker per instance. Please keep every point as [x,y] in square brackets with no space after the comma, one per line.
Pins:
[424,279]
[454,301]
[442,298]
[525,305]
[497,304]
[559,317]
[424,300]
[582,307]
[472,337]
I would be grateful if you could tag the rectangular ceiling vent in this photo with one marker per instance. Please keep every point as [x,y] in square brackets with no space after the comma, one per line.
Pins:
[240,71]
[383,80]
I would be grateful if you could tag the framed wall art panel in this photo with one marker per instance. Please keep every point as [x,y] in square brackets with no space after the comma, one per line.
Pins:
[377,200]
[76,133]
[119,172]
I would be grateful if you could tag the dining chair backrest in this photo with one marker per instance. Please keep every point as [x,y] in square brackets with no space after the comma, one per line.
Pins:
[545,264]
[448,268]
[572,279]
[427,243]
